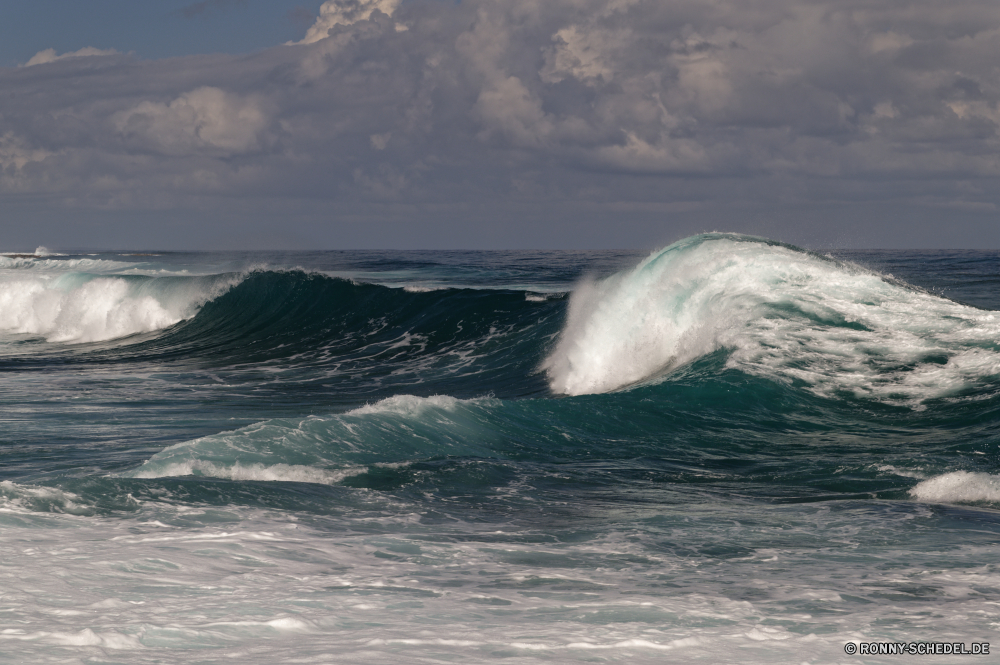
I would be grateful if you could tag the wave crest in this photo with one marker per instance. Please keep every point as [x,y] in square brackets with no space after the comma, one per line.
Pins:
[81,307]
[780,312]
[327,449]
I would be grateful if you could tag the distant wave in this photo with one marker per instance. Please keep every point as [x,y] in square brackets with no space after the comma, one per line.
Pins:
[779,312]
[44,263]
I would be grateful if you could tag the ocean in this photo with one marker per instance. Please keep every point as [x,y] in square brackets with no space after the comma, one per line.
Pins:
[730,450]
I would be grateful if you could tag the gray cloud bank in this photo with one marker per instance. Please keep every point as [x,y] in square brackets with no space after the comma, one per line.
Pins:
[527,123]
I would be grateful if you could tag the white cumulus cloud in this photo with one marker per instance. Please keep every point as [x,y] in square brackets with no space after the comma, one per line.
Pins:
[206,118]
[345,12]
[50,55]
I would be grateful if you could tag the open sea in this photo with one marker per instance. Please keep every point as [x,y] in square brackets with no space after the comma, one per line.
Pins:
[730,450]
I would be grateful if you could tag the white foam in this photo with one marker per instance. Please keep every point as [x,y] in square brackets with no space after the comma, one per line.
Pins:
[412,406]
[781,313]
[84,638]
[15,498]
[959,487]
[76,308]
[276,472]
[354,586]
[36,263]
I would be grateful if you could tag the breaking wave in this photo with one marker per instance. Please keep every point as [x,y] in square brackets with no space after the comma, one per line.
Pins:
[959,487]
[82,307]
[778,312]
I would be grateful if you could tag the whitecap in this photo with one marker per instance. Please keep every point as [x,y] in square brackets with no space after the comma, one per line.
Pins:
[79,307]
[959,487]
[275,472]
[779,312]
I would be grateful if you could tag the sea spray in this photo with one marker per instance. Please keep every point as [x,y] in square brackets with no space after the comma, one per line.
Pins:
[778,312]
[959,487]
[74,307]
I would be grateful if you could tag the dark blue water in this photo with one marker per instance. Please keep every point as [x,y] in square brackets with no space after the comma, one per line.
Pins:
[730,450]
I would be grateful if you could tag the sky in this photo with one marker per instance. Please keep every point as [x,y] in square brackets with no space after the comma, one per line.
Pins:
[489,124]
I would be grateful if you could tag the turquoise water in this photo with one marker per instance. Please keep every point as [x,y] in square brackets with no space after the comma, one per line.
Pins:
[729,450]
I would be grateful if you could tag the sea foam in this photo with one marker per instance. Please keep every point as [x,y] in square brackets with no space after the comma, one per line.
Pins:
[959,487]
[81,307]
[18,498]
[780,312]
[259,472]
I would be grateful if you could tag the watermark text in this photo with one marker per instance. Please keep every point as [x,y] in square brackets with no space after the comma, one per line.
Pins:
[917,648]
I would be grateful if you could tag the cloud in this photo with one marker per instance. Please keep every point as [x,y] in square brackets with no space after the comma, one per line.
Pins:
[14,154]
[583,55]
[433,111]
[50,55]
[345,13]
[205,119]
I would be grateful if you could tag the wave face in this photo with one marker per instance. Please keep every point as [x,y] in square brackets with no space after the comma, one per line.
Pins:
[290,321]
[327,449]
[778,312]
[729,446]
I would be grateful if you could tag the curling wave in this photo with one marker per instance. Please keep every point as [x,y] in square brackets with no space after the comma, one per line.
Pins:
[779,312]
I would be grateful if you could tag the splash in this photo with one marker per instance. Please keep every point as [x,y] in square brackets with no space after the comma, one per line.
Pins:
[779,312]
[80,307]
[959,487]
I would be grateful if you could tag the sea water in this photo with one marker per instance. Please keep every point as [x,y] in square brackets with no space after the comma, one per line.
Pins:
[727,451]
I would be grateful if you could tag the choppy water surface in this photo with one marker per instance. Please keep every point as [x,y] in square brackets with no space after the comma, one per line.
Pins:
[728,451]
